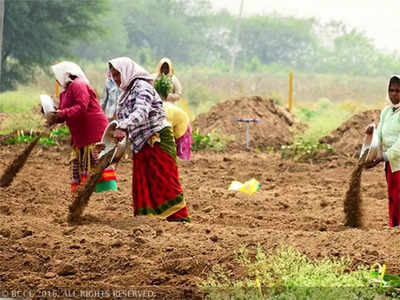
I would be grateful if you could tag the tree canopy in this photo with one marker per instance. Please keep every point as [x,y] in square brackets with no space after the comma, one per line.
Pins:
[36,33]
[191,33]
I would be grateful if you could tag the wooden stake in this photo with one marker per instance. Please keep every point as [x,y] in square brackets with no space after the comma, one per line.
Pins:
[290,102]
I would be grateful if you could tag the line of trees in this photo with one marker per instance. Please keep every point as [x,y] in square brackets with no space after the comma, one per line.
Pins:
[37,33]
[190,32]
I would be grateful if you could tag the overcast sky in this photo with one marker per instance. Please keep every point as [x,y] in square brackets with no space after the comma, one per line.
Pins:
[380,20]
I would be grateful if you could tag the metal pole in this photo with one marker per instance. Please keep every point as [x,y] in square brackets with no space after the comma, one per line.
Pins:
[236,41]
[247,121]
[1,33]
[247,135]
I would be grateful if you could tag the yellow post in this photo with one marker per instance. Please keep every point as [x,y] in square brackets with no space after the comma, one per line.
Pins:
[290,103]
[57,89]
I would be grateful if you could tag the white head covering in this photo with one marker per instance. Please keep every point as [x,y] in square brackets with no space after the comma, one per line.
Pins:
[63,69]
[129,71]
[387,95]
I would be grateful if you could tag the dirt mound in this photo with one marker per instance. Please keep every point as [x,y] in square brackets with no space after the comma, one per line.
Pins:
[274,129]
[348,138]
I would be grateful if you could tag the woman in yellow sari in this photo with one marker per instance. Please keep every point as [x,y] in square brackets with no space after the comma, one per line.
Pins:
[165,68]
[178,115]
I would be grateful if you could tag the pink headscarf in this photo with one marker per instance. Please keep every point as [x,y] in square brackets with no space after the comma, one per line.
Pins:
[129,71]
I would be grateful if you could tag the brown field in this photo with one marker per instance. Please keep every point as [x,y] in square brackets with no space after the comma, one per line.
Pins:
[298,204]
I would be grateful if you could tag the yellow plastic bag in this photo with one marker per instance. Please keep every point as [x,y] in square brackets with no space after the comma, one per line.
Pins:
[249,187]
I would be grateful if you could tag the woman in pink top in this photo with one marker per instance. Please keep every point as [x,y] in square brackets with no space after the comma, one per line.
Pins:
[81,111]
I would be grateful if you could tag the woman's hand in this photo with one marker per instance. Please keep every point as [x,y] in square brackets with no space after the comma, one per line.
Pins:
[173,97]
[370,129]
[371,164]
[100,147]
[119,134]
[376,161]
[56,101]
[51,118]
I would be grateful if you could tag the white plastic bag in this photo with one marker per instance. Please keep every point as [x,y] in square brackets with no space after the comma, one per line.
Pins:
[371,144]
[110,144]
[47,104]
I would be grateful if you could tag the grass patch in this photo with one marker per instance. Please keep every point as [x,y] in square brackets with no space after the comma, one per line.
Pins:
[26,121]
[288,274]
[19,101]
[325,116]
[320,118]
[19,105]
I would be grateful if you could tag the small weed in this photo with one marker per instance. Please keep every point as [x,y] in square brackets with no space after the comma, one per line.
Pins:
[269,149]
[59,132]
[47,141]
[303,150]
[288,274]
[212,141]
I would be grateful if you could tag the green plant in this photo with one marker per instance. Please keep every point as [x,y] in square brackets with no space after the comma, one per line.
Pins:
[288,274]
[51,140]
[306,114]
[163,85]
[212,141]
[303,150]
[59,132]
[20,139]
[270,149]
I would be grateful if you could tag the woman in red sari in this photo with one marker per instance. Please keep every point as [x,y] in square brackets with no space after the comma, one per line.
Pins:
[156,189]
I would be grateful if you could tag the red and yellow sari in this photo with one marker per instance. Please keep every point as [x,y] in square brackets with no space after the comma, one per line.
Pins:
[156,189]
[82,161]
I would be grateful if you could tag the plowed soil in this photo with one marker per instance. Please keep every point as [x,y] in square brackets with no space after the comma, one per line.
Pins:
[298,204]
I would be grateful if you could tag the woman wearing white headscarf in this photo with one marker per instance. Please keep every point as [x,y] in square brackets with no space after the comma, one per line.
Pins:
[80,110]
[156,189]
[389,138]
